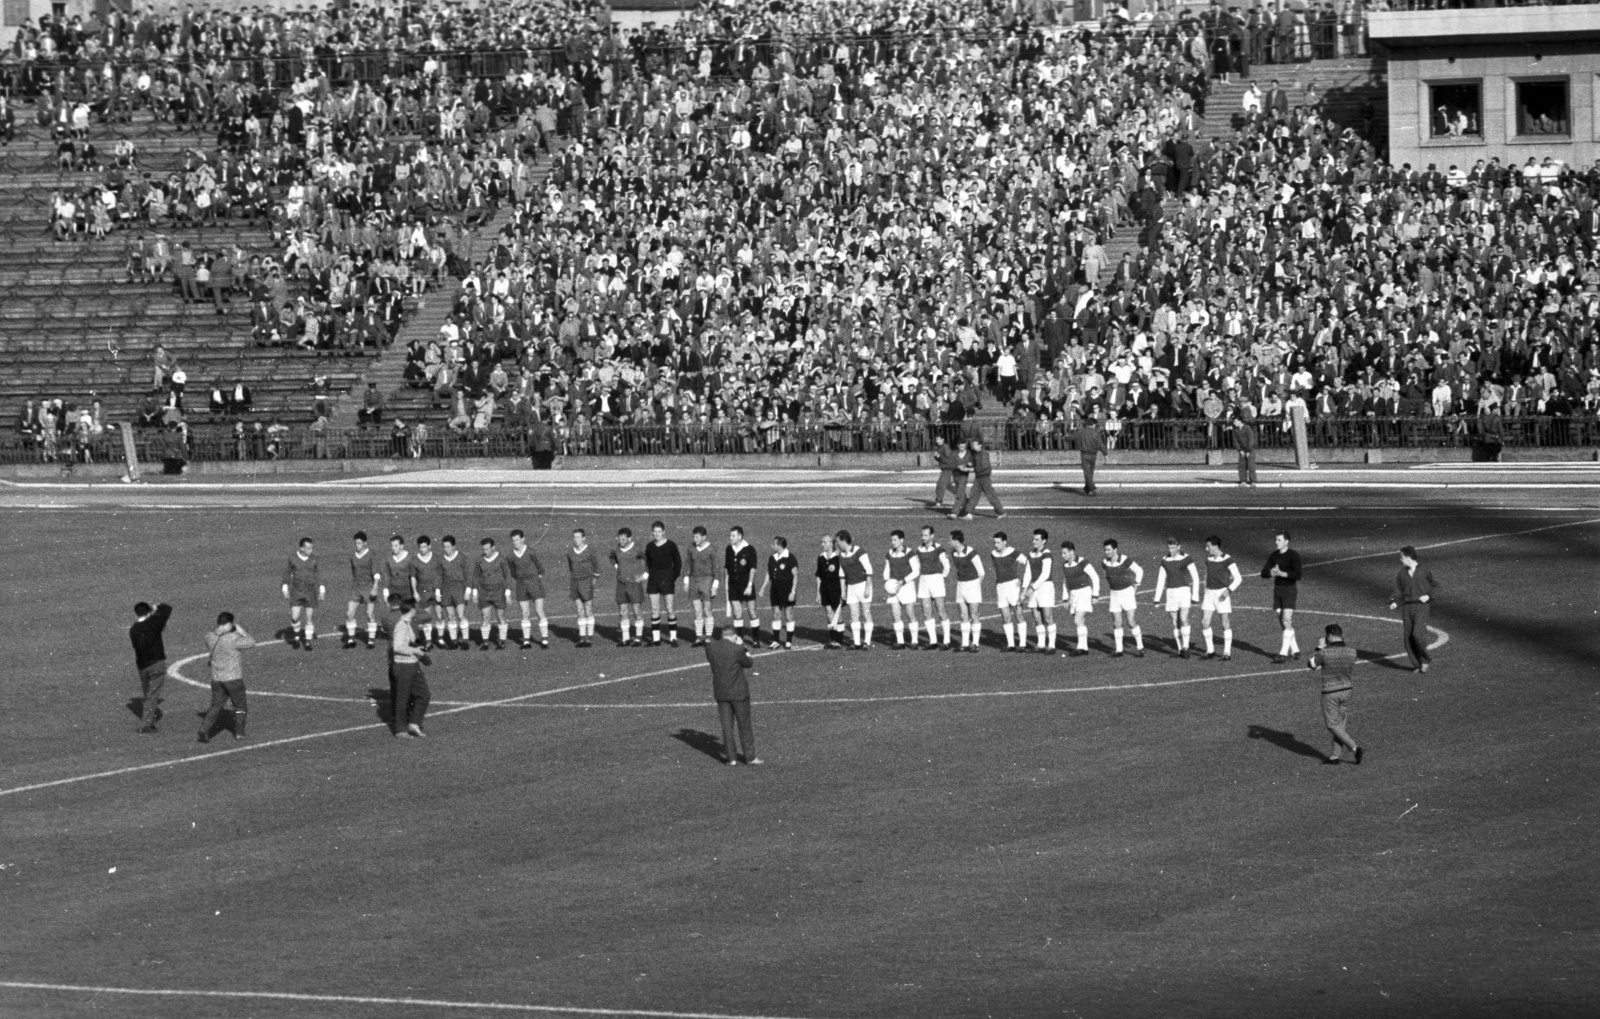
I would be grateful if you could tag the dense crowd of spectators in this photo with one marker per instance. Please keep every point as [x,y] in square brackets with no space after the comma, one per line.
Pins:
[821,216]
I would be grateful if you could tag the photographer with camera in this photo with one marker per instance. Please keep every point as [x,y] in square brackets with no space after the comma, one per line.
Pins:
[408,687]
[227,674]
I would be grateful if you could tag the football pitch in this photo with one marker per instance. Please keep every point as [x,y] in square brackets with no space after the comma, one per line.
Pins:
[932,834]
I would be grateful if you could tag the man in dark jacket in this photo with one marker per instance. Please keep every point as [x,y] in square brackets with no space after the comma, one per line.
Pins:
[1090,445]
[731,691]
[1413,596]
[1244,440]
[948,459]
[150,658]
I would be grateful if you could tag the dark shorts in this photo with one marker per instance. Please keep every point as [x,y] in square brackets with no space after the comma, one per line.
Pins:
[362,597]
[454,597]
[630,592]
[700,588]
[491,599]
[782,598]
[303,599]
[832,598]
[1336,709]
[661,585]
[529,591]
[581,590]
[1284,595]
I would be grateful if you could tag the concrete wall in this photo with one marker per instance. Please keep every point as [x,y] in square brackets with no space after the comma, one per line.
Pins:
[1497,69]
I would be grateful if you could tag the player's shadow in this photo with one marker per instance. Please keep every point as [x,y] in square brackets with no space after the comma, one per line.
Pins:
[382,703]
[136,707]
[704,742]
[1384,661]
[1286,740]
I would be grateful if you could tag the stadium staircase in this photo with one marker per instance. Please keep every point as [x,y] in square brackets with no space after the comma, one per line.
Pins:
[388,370]
[1345,88]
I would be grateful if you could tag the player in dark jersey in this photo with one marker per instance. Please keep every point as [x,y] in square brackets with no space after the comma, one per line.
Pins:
[739,566]
[1179,580]
[491,592]
[429,578]
[303,589]
[701,583]
[583,569]
[1123,577]
[855,566]
[1039,591]
[1285,569]
[1222,579]
[1080,586]
[527,578]
[900,587]
[933,568]
[830,591]
[627,559]
[779,585]
[967,565]
[454,582]
[1009,566]
[394,575]
[363,591]
[662,564]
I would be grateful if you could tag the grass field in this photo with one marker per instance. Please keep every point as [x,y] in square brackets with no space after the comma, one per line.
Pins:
[933,835]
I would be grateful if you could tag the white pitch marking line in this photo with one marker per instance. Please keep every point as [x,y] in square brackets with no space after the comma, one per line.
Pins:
[351,999]
[190,759]
[1457,541]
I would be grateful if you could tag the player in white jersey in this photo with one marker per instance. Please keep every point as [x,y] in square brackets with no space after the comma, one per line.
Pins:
[1222,579]
[1039,592]
[967,565]
[1178,580]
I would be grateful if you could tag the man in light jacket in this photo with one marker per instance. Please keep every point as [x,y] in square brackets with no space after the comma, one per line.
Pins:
[227,674]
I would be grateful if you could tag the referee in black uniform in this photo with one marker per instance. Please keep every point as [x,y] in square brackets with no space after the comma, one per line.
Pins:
[1284,569]
[830,591]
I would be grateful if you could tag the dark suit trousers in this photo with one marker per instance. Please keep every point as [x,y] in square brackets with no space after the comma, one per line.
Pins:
[1088,470]
[1414,617]
[223,693]
[1247,465]
[409,693]
[730,712]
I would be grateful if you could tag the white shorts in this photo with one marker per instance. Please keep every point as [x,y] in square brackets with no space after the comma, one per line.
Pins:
[931,586]
[1217,599]
[1123,600]
[1080,599]
[969,592]
[1179,599]
[1008,593]
[857,594]
[1044,596]
[905,594]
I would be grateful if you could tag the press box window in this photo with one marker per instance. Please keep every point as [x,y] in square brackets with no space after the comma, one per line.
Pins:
[1543,109]
[1456,110]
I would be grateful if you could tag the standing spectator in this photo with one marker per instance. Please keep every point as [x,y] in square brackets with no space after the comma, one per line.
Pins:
[150,658]
[1091,445]
[227,674]
[1336,660]
[1413,596]
[408,685]
[1244,440]
[731,690]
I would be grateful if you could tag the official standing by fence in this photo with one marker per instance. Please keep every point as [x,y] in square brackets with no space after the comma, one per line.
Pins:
[731,690]
[1412,595]
[1091,444]
[227,675]
[150,657]
[1245,441]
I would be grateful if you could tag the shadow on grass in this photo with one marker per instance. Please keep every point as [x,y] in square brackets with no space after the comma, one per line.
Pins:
[704,742]
[1286,740]
[1383,661]
[383,703]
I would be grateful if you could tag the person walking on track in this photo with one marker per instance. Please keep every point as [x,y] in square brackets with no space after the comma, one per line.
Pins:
[1091,444]
[982,482]
[1413,596]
